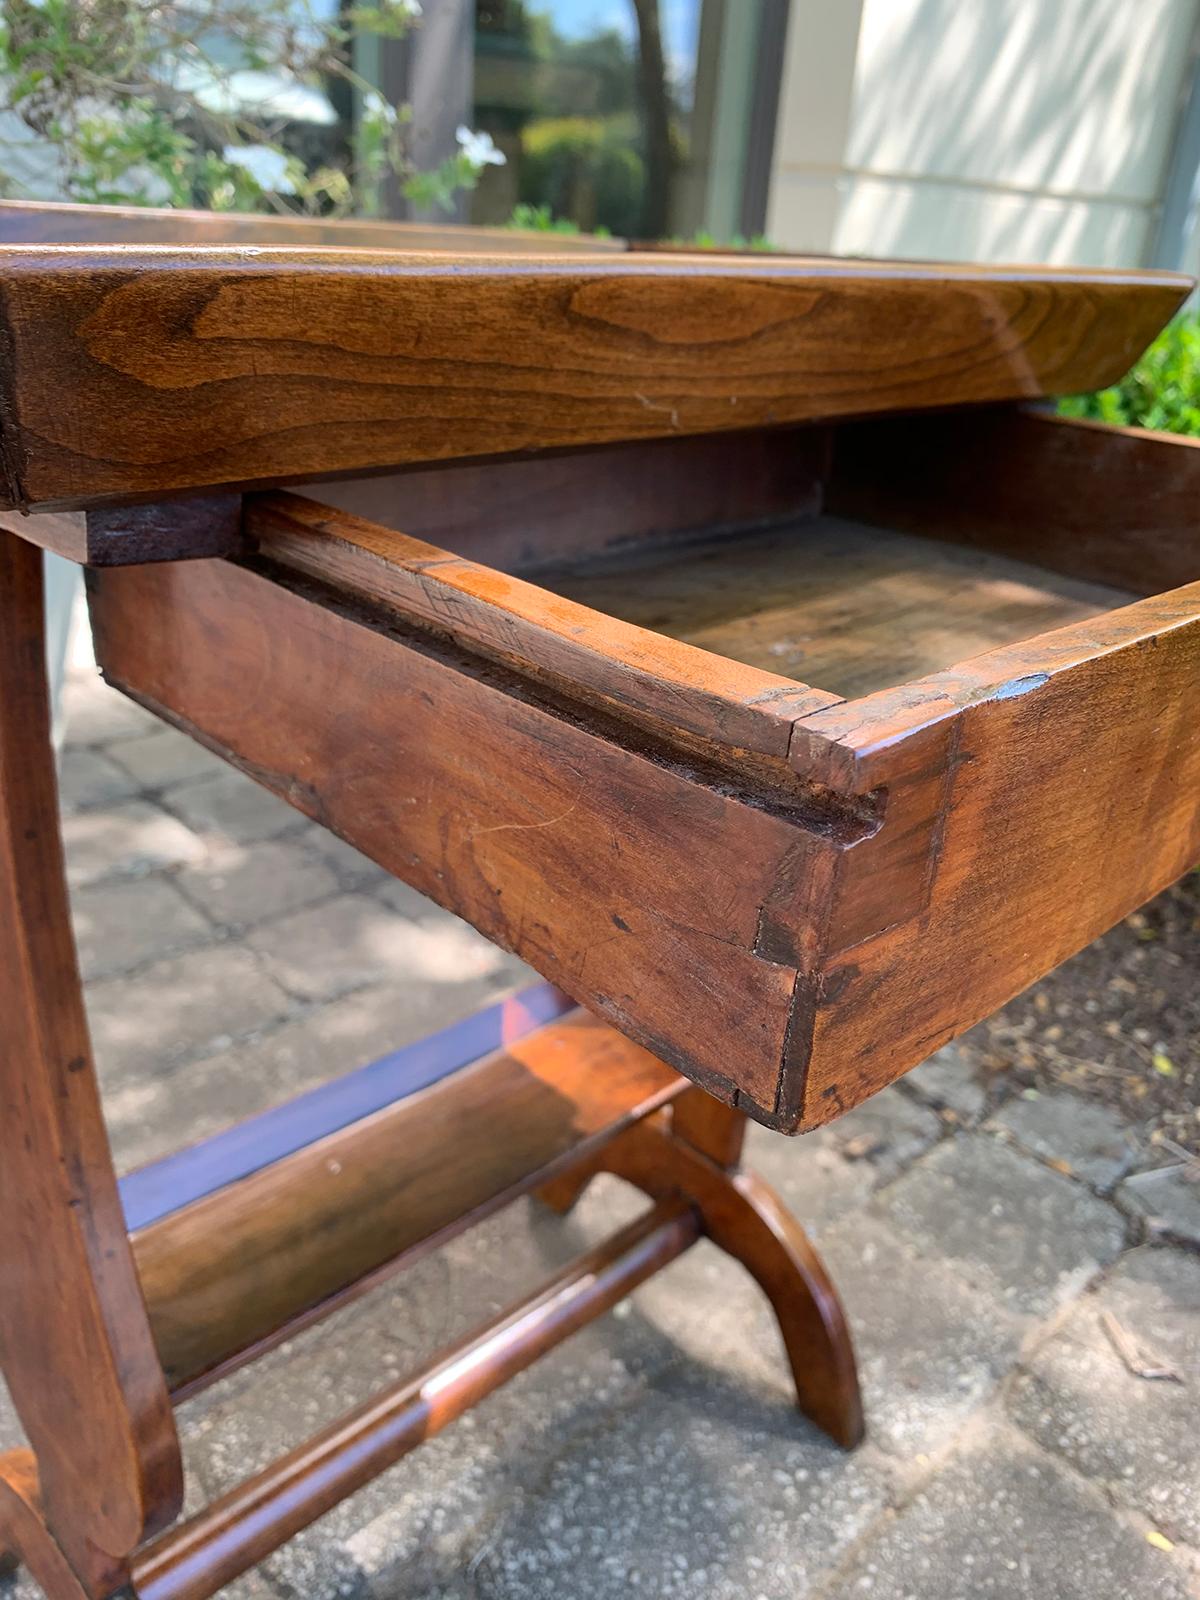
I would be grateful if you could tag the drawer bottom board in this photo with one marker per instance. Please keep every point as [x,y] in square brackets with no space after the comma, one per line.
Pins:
[832,602]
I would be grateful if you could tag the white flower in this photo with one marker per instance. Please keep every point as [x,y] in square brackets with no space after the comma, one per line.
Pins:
[375,106]
[268,168]
[478,148]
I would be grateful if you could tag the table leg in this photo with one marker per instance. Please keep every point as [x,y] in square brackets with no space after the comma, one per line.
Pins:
[708,1125]
[718,1131]
[693,1149]
[75,1344]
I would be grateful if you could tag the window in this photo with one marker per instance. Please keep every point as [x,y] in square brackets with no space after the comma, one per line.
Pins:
[646,118]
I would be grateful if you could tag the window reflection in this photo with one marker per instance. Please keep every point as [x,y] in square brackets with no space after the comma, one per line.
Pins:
[620,116]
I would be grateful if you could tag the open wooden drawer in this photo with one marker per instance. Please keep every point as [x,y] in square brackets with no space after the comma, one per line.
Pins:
[792,753]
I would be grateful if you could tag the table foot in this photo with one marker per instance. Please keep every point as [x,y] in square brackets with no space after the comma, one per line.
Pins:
[746,1218]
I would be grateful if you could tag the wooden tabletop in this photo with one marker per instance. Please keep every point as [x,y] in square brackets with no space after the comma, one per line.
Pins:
[61,222]
[134,371]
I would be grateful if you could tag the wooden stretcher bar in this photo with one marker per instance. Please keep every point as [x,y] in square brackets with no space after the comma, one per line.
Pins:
[248,1263]
[221,1542]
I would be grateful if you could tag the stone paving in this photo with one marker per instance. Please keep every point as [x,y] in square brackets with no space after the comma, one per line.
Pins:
[986,1243]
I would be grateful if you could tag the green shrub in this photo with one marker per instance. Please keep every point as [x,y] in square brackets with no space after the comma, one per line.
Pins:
[540,219]
[702,239]
[1161,390]
[585,168]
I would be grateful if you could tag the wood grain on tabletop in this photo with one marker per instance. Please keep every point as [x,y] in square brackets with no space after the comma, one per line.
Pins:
[138,371]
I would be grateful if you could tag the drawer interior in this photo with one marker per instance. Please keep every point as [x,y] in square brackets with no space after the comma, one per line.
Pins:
[829,601]
[852,558]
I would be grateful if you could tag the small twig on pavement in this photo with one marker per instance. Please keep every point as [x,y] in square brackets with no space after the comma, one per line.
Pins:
[1140,1365]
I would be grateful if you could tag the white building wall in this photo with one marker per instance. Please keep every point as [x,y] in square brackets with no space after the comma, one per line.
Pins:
[1017,130]
[30,163]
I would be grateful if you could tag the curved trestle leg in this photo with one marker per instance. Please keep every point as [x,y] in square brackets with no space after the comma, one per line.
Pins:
[24,1538]
[75,1341]
[743,1216]
[717,1130]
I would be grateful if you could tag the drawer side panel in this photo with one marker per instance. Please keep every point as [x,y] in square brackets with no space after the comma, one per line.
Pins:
[1069,795]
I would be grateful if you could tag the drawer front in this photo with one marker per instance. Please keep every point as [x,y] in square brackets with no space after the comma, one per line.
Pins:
[641,888]
[788,896]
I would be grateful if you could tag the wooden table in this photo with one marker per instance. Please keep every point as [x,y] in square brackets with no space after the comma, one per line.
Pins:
[726,636]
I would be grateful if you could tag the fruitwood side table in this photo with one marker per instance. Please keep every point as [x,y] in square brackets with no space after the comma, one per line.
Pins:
[580,535]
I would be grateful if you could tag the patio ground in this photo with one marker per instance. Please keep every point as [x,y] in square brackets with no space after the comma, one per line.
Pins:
[999,1223]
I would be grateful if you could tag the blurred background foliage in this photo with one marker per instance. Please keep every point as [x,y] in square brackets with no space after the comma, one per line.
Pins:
[585,168]
[226,105]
